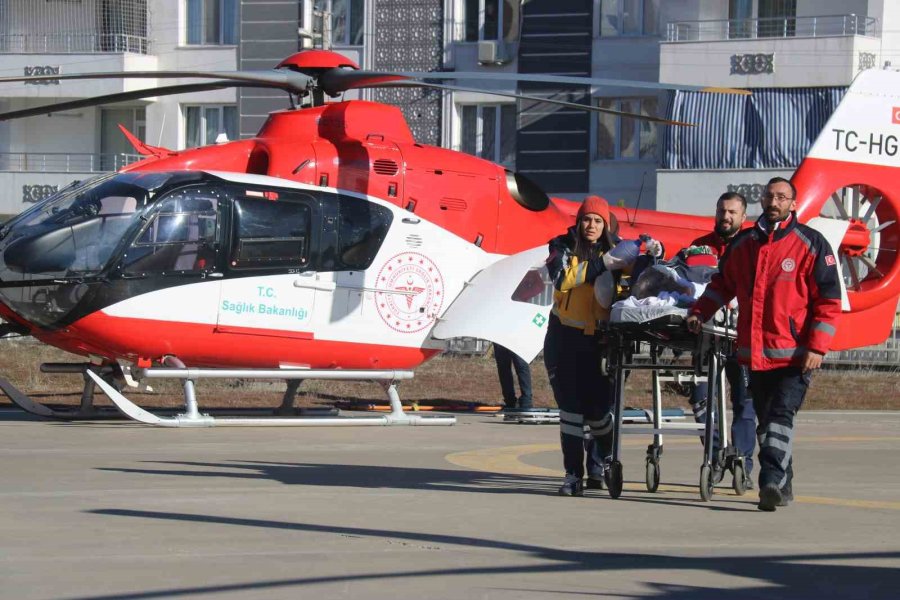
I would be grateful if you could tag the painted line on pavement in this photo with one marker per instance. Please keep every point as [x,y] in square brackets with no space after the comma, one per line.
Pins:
[506,460]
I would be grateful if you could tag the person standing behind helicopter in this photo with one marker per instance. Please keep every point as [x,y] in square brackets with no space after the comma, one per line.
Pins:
[571,348]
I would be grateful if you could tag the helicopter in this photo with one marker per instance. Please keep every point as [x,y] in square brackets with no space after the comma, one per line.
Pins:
[333,245]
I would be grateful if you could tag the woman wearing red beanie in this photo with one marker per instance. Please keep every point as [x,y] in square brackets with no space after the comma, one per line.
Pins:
[571,349]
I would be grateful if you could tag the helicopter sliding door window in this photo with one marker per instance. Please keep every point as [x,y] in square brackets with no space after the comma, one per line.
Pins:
[629,17]
[491,20]
[489,131]
[203,124]
[363,227]
[211,22]
[180,235]
[272,230]
[622,138]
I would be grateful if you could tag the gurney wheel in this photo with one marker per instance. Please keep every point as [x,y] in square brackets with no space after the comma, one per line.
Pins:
[706,483]
[614,479]
[738,484]
[652,475]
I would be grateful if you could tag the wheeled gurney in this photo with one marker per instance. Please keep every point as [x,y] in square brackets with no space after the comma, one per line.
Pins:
[663,327]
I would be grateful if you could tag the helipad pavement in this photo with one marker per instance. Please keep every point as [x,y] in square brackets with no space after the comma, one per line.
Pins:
[117,510]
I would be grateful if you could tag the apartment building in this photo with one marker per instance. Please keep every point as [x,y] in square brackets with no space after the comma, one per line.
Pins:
[797,55]
[41,154]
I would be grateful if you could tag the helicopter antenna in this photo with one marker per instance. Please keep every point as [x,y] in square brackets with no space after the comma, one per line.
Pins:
[161,129]
[638,204]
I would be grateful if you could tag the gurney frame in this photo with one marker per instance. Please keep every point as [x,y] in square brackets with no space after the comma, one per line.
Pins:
[709,351]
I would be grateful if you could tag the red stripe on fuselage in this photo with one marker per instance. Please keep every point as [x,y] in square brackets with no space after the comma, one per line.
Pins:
[201,345]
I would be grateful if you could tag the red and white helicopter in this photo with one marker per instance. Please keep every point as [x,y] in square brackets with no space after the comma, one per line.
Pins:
[333,245]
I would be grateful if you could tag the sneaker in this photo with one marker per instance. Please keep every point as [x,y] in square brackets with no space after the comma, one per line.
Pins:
[572,488]
[748,483]
[770,498]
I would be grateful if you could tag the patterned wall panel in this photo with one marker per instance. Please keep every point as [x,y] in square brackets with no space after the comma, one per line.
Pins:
[409,37]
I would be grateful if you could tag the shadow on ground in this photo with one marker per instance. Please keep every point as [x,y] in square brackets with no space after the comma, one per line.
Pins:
[801,576]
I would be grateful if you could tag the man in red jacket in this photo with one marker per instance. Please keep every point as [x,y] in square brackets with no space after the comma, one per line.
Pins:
[784,275]
[731,212]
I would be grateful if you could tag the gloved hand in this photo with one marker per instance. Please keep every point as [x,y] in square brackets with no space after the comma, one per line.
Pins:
[625,253]
[653,248]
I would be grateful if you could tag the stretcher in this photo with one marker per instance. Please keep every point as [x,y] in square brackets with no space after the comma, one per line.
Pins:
[660,328]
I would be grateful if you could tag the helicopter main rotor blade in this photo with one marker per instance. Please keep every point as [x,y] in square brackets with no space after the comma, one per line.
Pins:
[587,107]
[339,80]
[285,79]
[124,97]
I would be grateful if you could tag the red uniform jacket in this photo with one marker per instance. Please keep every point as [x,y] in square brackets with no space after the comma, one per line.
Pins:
[786,284]
[714,241]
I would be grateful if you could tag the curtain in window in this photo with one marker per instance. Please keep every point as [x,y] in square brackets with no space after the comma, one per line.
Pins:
[771,129]
[194,21]
[229,23]
[193,127]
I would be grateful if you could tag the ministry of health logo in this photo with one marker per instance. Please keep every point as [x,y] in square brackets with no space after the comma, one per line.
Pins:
[413,292]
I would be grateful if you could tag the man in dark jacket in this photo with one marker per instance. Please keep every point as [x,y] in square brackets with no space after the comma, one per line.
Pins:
[731,212]
[784,275]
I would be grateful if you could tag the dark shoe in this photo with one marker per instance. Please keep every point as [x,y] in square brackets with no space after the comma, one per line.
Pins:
[595,483]
[770,498]
[787,495]
[572,488]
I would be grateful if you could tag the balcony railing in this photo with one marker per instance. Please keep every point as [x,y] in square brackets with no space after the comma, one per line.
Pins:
[73,43]
[57,162]
[787,27]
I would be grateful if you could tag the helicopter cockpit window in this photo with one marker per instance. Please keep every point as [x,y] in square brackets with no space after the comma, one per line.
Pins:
[363,227]
[179,236]
[270,231]
[75,232]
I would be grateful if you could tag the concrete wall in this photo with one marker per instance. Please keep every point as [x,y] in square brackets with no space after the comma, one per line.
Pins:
[11,184]
[696,192]
[799,62]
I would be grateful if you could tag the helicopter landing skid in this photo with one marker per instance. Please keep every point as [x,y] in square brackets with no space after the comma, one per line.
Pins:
[192,417]
[86,411]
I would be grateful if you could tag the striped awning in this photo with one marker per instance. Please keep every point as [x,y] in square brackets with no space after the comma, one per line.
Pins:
[773,128]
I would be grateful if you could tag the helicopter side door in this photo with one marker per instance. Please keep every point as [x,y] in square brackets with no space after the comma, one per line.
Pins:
[271,286]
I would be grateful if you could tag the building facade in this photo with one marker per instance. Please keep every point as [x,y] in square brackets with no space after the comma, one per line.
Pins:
[797,55]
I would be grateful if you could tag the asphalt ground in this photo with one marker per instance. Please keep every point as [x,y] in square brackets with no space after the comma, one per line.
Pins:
[119,510]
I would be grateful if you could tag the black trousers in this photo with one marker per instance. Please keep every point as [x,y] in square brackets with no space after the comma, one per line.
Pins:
[777,397]
[583,395]
[506,361]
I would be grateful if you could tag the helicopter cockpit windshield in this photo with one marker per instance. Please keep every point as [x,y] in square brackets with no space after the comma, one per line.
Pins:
[73,234]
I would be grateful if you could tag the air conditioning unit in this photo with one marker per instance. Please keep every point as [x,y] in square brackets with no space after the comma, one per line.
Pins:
[492,52]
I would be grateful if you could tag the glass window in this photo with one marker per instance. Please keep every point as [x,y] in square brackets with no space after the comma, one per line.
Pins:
[363,227]
[347,22]
[270,232]
[491,20]
[211,22]
[180,235]
[203,124]
[624,138]
[629,17]
[489,131]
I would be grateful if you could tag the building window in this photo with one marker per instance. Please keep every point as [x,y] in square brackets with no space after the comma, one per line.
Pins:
[203,124]
[629,17]
[492,20]
[347,22]
[624,138]
[489,131]
[211,22]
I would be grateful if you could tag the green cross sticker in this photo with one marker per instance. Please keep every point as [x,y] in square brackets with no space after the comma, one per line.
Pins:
[539,320]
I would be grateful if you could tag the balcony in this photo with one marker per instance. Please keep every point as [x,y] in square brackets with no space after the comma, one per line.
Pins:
[59,162]
[785,52]
[73,43]
[791,27]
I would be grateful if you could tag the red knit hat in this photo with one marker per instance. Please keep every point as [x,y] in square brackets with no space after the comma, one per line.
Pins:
[594,205]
